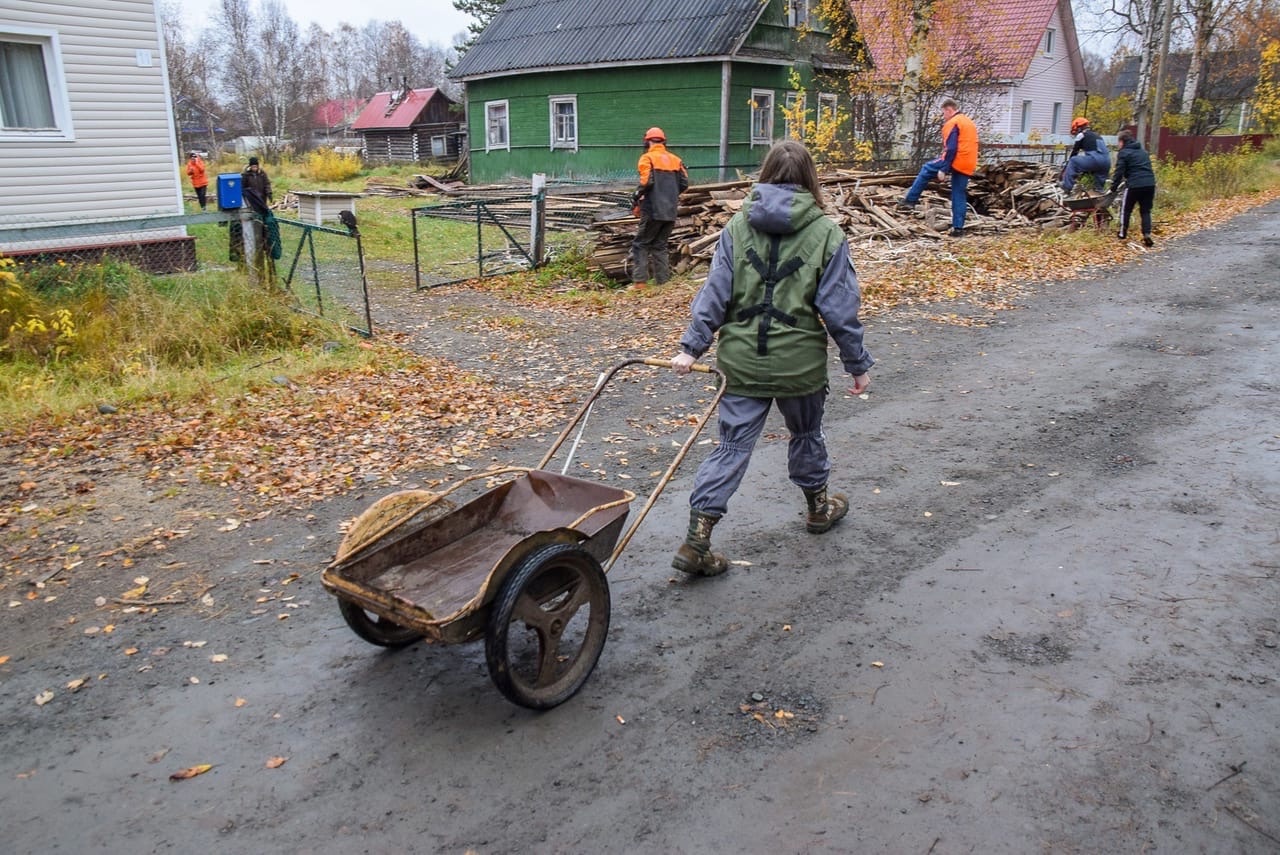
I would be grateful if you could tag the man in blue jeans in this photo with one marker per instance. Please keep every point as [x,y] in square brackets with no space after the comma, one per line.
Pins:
[959,160]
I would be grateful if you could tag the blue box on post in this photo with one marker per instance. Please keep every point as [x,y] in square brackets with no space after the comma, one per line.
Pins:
[230,194]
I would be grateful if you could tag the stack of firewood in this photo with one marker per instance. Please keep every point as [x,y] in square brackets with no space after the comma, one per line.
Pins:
[1002,196]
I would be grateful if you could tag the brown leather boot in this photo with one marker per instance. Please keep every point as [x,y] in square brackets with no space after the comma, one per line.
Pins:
[694,555]
[824,510]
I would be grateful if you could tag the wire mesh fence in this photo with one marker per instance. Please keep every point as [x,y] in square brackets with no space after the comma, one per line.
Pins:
[474,238]
[158,243]
[323,268]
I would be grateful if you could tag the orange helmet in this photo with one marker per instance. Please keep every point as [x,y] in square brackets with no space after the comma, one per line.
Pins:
[1078,124]
[655,135]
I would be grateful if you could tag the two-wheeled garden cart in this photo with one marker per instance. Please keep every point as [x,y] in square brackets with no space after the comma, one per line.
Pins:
[522,565]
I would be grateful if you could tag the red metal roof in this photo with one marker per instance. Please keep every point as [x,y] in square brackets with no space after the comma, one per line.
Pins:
[379,112]
[997,38]
[334,112]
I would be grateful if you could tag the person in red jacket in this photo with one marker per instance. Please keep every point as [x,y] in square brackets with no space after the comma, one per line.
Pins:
[199,178]
[662,179]
[959,160]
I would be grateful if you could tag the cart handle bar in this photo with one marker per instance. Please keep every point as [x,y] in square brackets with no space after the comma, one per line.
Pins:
[654,362]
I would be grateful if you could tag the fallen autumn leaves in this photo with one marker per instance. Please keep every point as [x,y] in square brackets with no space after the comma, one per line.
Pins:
[322,436]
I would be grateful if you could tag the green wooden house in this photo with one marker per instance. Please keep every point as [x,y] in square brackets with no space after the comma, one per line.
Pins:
[568,87]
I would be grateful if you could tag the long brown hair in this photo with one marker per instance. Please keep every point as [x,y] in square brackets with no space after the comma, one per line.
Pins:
[789,162]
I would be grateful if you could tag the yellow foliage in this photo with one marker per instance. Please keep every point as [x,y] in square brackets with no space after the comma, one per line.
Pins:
[827,135]
[1266,97]
[325,164]
[25,324]
[1110,115]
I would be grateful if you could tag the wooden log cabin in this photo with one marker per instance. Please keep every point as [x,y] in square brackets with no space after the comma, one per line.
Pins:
[410,126]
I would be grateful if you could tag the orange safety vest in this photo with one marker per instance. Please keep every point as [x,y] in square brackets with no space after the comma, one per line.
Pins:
[662,179]
[657,157]
[966,161]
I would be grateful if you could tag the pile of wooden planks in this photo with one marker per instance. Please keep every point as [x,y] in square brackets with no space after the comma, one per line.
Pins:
[1003,196]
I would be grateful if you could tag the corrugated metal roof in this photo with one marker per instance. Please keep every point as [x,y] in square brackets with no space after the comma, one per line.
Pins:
[528,34]
[379,113]
[1001,35]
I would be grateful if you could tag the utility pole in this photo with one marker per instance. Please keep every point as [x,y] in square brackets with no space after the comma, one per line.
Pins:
[1157,110]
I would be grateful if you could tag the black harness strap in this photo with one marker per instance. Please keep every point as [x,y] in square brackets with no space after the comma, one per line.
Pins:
[772,274]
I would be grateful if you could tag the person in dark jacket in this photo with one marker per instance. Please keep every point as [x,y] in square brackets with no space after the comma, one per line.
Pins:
[662,179]
[1088,156]
[1133,169]
[781,283]
[254,180]
[257,192]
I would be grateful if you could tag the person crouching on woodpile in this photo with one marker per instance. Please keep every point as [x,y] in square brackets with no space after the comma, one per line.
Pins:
[662,179]
[1089,156]
[781,281]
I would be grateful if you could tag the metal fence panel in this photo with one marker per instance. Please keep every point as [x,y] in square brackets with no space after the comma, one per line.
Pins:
[473,238]
[323,268]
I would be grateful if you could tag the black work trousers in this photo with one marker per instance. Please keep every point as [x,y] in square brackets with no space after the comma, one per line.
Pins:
[1143,197]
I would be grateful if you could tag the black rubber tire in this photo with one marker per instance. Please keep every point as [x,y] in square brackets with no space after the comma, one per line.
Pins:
[376,629]
[540,599]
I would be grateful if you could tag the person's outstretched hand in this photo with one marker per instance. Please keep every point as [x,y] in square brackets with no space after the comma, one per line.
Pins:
[860,383]
[682,363]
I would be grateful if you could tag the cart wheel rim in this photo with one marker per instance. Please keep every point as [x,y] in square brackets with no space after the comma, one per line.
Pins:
[376,629]
[547,626]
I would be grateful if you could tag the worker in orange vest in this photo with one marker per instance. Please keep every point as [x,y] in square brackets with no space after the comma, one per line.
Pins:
[662,179]
[199,178]
[959,161]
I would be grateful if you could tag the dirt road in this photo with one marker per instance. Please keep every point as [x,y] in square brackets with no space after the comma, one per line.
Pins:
[1050,624]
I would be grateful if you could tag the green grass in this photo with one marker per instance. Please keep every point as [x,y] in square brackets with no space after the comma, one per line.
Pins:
[74,336]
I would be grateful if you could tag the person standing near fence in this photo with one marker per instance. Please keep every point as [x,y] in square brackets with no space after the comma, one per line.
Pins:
[1133,169]
[781,283]
[256,186]
[199,177]
[959,161]
[662,179]
[255,180]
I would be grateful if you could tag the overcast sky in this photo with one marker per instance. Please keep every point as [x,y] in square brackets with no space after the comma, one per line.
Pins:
[432,21]
[437,22]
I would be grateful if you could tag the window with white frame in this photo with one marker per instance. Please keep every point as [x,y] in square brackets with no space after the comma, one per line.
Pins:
[1048,42]
[1057,117]
[827,103]
[497,126]
[33,93]
[439,146]
[793,115]
[761,116]
[798,12]
[1026,117]
[564,122]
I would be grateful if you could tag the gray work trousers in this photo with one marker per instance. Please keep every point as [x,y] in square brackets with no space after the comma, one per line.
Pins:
[650,247]
[741,422]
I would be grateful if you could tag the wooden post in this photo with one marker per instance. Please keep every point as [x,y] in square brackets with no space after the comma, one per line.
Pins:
[538,219]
